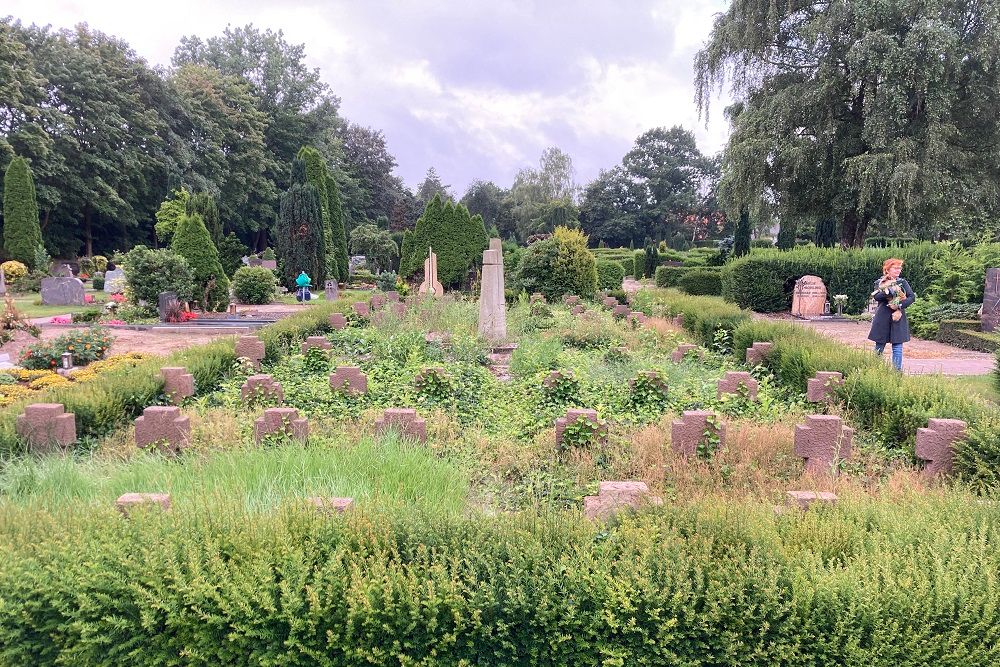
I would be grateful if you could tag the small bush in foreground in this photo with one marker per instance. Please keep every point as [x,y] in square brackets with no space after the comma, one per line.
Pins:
[254,285]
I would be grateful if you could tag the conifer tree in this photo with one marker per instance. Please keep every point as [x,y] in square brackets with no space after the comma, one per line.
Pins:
[826,232]
[299,244]
[457,238]
[193,242]
[317,175]
[337,227]
[741,238]
[21,232]
[204,205]
[786,233]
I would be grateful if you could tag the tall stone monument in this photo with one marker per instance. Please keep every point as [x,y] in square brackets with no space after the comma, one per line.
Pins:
[809,297]
[492,302]
[431,285]
[991,301]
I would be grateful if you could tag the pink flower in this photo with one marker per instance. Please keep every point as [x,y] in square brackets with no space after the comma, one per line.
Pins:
[88,298]
[61,320]
[115,323]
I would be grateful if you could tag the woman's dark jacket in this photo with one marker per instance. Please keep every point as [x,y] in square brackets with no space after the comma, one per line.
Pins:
[884,330]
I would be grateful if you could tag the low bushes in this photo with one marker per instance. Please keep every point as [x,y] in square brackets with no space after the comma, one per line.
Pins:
[149,272]
[254,285]
[701,282]
[966,335]
[85,346]
[703,316]
[609,275]
[559,265]
[764,280]
[883,585]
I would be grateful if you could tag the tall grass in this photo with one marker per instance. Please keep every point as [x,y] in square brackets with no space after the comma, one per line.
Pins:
[383,472]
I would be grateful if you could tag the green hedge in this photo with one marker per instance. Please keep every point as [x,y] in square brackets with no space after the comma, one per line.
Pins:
[966,335]
[716,583]
[703,315]
[888,405]
[764,280]
[696,280]
[609,275]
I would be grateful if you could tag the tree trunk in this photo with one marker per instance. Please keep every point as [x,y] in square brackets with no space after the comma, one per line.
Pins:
[88,232]
[849,228]
[45,219]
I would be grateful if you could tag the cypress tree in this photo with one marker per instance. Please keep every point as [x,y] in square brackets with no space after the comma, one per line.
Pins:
[21,232]
[741,238]
[337,227]
[193,242]
[203,204]
[786,233]
[456,237]
[317,175]
[299,242]
[826,232]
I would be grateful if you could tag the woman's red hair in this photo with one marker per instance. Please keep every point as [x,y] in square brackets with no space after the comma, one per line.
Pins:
[889,263]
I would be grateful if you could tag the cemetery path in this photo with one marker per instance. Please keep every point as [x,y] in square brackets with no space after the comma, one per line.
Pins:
[920,357]
[125,340]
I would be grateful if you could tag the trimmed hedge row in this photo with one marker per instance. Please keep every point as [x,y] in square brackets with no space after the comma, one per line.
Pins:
[764,280]
[713,583]
[696,280]
[966,335]
[609,275]
[703,315]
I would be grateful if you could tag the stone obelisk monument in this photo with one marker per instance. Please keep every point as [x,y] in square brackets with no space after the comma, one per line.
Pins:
[431,285]
[492,302]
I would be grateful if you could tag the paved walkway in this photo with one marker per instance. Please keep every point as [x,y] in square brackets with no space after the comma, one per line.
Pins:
[919,356]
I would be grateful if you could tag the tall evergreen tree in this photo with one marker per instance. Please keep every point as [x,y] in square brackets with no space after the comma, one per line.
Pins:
[826,232]
[741,238]
[457,238]
[300,244]
[786,233]
[193,242]
[317,175]
[21,232]
[338,227]
[203,204]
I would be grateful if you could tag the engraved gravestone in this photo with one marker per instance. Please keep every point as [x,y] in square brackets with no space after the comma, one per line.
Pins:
[62,291]
[114,281]
[809,297]
[332,290]
[167,304]
[991,300]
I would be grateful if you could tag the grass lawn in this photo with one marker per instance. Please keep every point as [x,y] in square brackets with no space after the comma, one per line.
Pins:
[981,385]
[30,305]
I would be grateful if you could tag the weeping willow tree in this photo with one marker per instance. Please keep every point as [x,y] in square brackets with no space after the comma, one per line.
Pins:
[866,110]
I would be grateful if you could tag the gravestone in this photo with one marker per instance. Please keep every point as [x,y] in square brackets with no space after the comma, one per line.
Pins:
[338,321]
[610,302]
[936,444]
[614,496]
[46,427]
[62,291]
[331,290]
[805,499]
[378,300]
[405,420]
[991,300]
[399,309]
[809,297]
[578,309]
[252,348]
[114,281]
[283,420]
[271,264]
[574,415]
[492,299]
[688,432]
[262,386]
[431,285]
[757,352]
[330,504]
[164,427]
[314,341]
[678,320]
[361,309]
[167,304]
[255,262]
[822,386]
[823,441]
[3,282]
[734,380]
[620,312]
[349,379]
[127,502]
[178,384]
[636,317]
[681,351]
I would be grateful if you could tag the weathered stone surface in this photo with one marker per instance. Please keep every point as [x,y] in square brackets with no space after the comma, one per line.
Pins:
[331,504]
[281,420]
[572,416]
[823,441]
[678,320]
[537,297]
[271,264]
[492,298]
[620,312]
[690,431]
[578,310]
[804,499]
[936,444]
[405,420]
[809,297]
[46,427]
[129,502]
[338,321]
[757,352]
[178,384]
[392,296]
[571,299]
[62,291]
[361,309]
[732,382]
[610,302]
[331,290]
[398,309]
[349,379]
[821,387]
[164,427]
[991,301]
[431,285]
[114,281]
[615,496]
[637,317]
[252,348]
[681,351]
[377,301]
[315,341]
[262,387]
[167,306]
[442,338]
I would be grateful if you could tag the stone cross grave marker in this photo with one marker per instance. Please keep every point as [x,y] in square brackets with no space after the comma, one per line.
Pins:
[823,441]
[284,420]
[164,427]
[936,444]
[690,431]
[616,495]
[405,420]
[349,379]
[46,427]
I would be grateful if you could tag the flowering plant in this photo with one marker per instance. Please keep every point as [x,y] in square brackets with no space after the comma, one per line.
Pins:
[893,289]
[840,298]
[60,319]
[88,298]
[187,317]
[118,298]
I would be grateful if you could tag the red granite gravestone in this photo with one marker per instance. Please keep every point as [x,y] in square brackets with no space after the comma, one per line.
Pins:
[732,382]
[681,351]
[936,444]
[330,504]
[572,416]
[571,299]
[757,352]
[338,321]
[164,427]
[251,348]
[692,429]
[315,341]
[377,301]
[281,420]
[823,441]
[615,496]
[405,420]
[361,309]
[637,317]
[822,387]
[610,302]
[349,379]
[178,384]
[129,502]
[620,312]
[578,310]
[46,427]
[262,387]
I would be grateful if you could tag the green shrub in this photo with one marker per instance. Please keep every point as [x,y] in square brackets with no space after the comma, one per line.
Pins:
[193,242]
[639,264]
[254,285]
[559,265]
[149,272]
[889,241]
[386,281]
[704,316]
[231,253]
[100,263]
[966,335]
[457,238]
[609,275]
[701,282]
[764,280]
[14,270]
[85,346]
[22,233]
[98,281]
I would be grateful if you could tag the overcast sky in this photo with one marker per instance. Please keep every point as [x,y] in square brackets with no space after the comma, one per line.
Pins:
[474,89]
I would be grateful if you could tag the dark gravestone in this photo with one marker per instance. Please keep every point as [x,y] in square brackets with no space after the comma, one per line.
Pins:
[255,261]
[991,300]
[331,289]
[168,305]
[62,292]
[269,264]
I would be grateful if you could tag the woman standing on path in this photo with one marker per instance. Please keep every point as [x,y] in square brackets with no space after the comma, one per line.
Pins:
[893,294]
